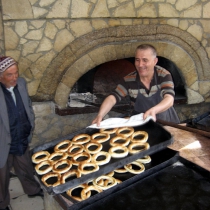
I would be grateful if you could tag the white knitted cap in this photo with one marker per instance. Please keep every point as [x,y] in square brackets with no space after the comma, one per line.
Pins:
[6,62]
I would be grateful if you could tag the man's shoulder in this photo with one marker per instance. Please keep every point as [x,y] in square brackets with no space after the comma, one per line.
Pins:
[161,71]
[130,77]
[21,80]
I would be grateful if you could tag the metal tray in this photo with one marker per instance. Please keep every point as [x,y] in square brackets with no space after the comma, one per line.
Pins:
[182,185]
[160,160]
[159,139]
[175,183]
[202,122]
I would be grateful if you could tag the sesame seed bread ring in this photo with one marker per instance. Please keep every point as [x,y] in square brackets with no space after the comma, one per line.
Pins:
[118,181]
[121,170]
[108,130]
[109,182]
[89,188]
[114,154]
[63,146]
[46,169]
[100,137]
[66,175]
[93,144]
[110,173]
[56,156]
[82,166]
[77,198]
[81,139]
[75,149]
[67,163]
[104,161]
[135,171]
[49,175]
[143,137]
[122,141]
[142,146]
[145,159]
[76,161]
[125,131]
[40,156]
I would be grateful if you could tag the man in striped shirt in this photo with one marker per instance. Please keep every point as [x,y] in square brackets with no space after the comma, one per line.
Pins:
[150,87]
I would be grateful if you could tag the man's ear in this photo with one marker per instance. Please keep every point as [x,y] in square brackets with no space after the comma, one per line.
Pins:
[156,60]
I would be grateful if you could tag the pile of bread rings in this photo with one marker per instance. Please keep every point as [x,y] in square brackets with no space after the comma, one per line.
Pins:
[76,158]
[107,181]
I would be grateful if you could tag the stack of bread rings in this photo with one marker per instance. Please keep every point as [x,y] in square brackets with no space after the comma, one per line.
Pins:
[84,154]
[106,181]
[98,185]
[127,141]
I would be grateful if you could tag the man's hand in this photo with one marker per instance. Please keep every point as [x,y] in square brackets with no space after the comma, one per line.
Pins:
[150,112]
[106,106]
[97,120]
[165,104]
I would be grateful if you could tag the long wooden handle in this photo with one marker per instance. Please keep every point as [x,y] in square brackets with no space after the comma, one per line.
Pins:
[194,130]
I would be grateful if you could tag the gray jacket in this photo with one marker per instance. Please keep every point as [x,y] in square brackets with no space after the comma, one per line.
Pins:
[5,137]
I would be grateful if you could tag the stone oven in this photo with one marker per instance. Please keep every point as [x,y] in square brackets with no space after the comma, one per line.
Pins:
[120,42]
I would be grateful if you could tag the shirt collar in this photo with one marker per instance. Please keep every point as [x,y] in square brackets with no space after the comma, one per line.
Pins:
[3,86]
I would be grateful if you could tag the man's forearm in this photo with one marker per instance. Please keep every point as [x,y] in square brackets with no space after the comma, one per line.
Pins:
[107,105]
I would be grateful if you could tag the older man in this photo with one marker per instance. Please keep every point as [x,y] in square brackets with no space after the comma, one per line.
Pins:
[16,125]
[150,88]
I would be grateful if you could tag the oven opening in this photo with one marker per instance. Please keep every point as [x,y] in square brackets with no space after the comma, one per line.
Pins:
[98,82]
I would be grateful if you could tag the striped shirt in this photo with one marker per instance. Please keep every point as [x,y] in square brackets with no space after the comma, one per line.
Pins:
[132,85]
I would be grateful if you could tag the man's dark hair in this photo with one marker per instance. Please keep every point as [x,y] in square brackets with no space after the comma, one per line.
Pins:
[147,46]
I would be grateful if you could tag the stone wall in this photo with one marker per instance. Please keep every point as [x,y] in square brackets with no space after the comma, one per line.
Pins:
[57,41]
[1,33]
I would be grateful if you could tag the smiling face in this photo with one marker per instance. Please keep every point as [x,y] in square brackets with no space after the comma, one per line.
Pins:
[10,76]
[145,60]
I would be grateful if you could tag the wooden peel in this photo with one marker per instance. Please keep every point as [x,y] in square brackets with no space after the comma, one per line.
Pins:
[193,130]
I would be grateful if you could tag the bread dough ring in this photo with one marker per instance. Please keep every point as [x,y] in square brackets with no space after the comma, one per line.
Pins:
[81,139]
[37,157]
[100,137]
[104,161]
[125,140]
[63,146]
[89,188]
[90,144]
[108,130]
[72,172]
[145,159]
[125,131]
[131,170]
[108,181]
[143,137]
[56,156]
[77,198]
[144,146]
[75,149]
[43,171]
[49,175]
[81,167]
[75,158]
[112,151]
[60,163]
